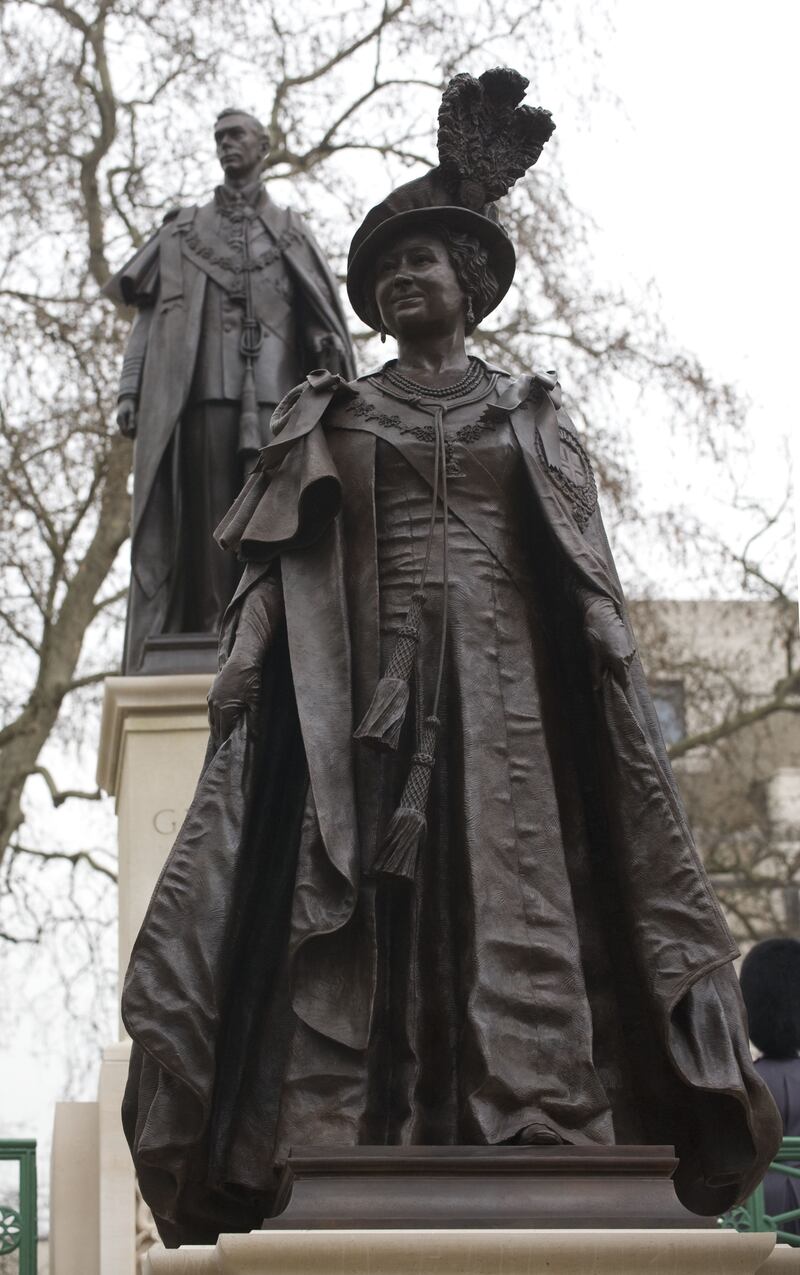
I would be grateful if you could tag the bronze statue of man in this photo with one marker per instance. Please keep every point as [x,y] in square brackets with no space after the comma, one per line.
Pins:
[235,305]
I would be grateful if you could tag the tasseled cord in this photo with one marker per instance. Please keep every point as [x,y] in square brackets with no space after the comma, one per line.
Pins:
[249,403]
[397,857]
[383,721]
[250,343]
[398,854]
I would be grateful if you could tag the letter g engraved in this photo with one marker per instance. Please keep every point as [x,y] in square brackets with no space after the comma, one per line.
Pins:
[164,821]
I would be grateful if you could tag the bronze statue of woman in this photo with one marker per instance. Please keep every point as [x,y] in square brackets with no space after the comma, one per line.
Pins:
[436,886]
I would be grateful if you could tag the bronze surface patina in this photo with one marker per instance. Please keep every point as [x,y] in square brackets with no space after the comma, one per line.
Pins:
[436,887]
[235,303]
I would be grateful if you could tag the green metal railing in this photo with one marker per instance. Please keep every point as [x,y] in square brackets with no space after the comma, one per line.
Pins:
[18,1226]
[752,1216]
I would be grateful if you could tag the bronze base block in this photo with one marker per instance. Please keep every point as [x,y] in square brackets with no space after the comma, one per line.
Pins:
[476,1187]
[171,653]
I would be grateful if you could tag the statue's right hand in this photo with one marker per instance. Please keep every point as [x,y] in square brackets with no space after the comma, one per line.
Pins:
[126,416]
[610,644]
[234,691]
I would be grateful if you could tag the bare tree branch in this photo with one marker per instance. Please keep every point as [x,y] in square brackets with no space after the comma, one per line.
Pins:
[64,856]
[60,795]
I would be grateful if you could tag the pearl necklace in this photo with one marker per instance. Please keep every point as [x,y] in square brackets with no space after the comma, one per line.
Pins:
[468,382]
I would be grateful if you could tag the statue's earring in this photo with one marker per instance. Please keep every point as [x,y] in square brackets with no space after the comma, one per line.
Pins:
[383,334]
[470,314]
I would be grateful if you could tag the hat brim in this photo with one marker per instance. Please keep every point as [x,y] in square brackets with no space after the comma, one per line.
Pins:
[491,236]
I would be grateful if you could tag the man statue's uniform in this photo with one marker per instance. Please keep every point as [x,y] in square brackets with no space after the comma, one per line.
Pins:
[235,305]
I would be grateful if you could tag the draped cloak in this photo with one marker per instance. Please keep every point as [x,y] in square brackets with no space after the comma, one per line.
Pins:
[218,971]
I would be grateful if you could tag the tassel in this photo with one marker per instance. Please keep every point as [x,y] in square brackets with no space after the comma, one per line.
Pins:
[398,855]
[382,723]
[400,850]
[248,422]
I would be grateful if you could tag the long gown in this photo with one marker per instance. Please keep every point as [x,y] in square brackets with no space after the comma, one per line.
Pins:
[483,1024]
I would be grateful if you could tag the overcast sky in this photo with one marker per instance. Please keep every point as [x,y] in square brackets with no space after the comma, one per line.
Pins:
[693,183]
[695,180]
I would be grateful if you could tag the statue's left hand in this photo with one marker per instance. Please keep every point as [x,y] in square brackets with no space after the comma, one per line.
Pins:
[237,687]
[329,351]
[609,641]
[234,691]
[326,341]
[126,416]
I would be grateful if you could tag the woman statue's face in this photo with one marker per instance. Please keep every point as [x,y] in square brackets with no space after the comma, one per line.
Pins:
[416,288]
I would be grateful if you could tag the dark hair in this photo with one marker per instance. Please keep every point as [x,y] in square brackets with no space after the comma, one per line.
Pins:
[470,261]
[248,115]
[770,982]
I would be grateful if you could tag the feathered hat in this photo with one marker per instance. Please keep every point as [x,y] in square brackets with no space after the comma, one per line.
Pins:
[486,142]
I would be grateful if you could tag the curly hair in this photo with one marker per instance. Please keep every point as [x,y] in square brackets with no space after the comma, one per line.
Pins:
[471,264]
[470,261]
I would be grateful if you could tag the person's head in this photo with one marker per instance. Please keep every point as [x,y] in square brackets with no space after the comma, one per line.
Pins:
[770,982]
[478,250]
[242,143]
[431,279]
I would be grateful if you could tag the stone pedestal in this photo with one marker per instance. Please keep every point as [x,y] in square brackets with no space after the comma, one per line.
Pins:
[117,1239]
[152,743]
[75,1189]
[153,739]
[471,1252]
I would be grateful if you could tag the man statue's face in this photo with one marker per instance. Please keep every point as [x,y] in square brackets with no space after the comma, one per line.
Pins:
[241,146]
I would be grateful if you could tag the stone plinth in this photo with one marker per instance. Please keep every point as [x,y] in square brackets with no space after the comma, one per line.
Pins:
[471,1252]
[152,742]
[75,1189]
[117,1239]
